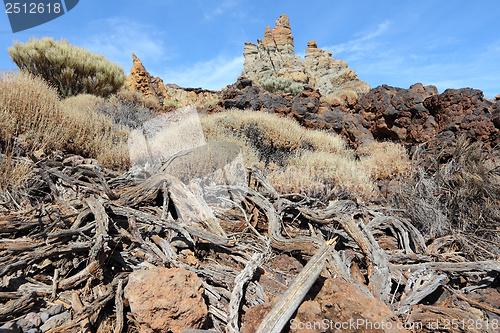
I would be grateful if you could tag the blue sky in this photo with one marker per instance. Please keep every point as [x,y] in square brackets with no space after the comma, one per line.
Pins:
[199,43]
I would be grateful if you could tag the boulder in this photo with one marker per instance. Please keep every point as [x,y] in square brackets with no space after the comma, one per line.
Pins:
[166,300]
[341,303]
[275,56]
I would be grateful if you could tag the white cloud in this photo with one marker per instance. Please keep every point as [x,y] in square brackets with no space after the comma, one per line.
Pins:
[222,8]
[121,37]
[212,74]
[363,45]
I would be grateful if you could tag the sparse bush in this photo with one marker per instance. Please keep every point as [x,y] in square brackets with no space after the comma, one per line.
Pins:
[134,97]
[384,160]
[71,69]
[171,103]
[322,173]
[95,134]
[281,84]
[30,110]
[459,198]
[15,176]
[295,159]
[124,110]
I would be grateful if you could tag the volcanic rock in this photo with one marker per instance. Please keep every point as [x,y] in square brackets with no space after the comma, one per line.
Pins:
[140,80]
[466,111]
[308,108]
[399,114]
[275,56]
[166,300]
[341,302]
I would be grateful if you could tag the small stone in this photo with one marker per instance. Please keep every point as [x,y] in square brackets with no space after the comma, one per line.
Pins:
[56,309]
[31,320]
[56,321]
[44,316]
[33,330]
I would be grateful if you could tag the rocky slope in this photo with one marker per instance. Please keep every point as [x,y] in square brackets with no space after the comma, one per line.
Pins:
[275,56]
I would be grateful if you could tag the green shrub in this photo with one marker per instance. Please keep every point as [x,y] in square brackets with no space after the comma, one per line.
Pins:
[71,69]
[281,84]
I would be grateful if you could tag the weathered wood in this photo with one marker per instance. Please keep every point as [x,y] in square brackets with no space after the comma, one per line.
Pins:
[292,298]
[16,306]
[420,285]
[73,281]
[452,267]
[120,321]
[102,227]
[237,293]
[408,236]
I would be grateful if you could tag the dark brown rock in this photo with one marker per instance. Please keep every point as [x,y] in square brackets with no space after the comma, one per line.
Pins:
[465,111]
[398,114]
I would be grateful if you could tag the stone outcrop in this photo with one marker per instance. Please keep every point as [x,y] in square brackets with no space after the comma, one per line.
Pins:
[275,56]
[140,80]
[308,108]
[166,299]
[399,114]
[411,116]
[420,114]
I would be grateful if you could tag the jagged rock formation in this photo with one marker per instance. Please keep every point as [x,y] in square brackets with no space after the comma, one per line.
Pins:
[140,80]
[275,56]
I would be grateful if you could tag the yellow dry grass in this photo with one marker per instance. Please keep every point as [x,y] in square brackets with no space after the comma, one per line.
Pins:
[94,134]
[315,162]
[384,160]
[32,112]
[14,174]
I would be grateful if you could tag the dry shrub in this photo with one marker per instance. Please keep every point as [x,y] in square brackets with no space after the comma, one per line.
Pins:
[460,198]
[15,176]
[322,173]
[134,97]
[128,108]
[30,111]
[276,138]
[384,160]
[94,134]
[295,159]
